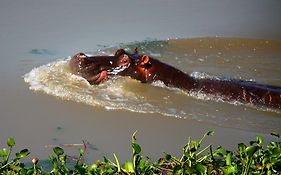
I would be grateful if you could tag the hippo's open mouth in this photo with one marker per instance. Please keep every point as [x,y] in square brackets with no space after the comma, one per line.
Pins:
[103,75]
[97,69]
[98,78]
[116,70]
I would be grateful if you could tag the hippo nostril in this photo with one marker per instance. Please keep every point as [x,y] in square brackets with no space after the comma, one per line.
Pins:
[81,56]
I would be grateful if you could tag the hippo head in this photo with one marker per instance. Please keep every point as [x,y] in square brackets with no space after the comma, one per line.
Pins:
[97,69]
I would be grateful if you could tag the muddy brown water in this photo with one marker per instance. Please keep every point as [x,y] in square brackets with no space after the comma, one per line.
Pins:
[41,103]
[249,59]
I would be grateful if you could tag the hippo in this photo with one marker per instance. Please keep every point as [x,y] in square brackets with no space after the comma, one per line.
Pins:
[146,69]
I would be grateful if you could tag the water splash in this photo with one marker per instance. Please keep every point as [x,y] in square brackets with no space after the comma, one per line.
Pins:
[123,93]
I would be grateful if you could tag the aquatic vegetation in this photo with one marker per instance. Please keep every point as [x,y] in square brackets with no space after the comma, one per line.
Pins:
[256,158]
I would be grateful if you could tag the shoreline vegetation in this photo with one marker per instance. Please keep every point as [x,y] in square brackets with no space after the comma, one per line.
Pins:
[252,158]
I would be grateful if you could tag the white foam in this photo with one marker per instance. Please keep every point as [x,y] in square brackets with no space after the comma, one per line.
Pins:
[55,79]
[116,94]
[202,75]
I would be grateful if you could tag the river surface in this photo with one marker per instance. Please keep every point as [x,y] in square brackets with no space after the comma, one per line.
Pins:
[42,104]
[220,58]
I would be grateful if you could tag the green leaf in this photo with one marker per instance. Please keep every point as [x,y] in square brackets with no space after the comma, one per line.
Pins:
[134,137]
[229,170]
[23,153]
[210,133]
[58,151]
[143,164]
[273,145]
[62,159]
[11,142]
[202,169]
[52,158]
[28,172]
[220,152]
[250,151]
[117,162]
[128,167]
[259,139]
[3,152]
[228,159]
[80,169]
[136,147]
[176,169]
[106,160]
[92,167]
[190,170]
[54,162]
[241,147]
[168,156]
[275,152]
[275,160]
[195,145]
[82,152]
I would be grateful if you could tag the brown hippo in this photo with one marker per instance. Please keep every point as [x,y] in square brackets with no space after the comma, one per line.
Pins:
[96,69]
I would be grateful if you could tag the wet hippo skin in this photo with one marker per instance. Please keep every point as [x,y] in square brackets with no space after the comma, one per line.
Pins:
[97,69]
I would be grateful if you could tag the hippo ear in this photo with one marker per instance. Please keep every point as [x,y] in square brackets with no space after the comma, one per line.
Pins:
[136,50]
[119,52]
[144,59]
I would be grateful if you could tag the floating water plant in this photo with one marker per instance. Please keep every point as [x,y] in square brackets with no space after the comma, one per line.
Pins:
[256,158]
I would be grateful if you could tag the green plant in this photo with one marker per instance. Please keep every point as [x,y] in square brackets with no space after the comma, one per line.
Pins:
[256,158]
[15,166]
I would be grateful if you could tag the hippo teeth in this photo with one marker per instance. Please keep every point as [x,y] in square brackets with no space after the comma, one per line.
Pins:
[118,69]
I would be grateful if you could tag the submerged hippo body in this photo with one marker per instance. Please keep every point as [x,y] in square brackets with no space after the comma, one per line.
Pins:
[96,69]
